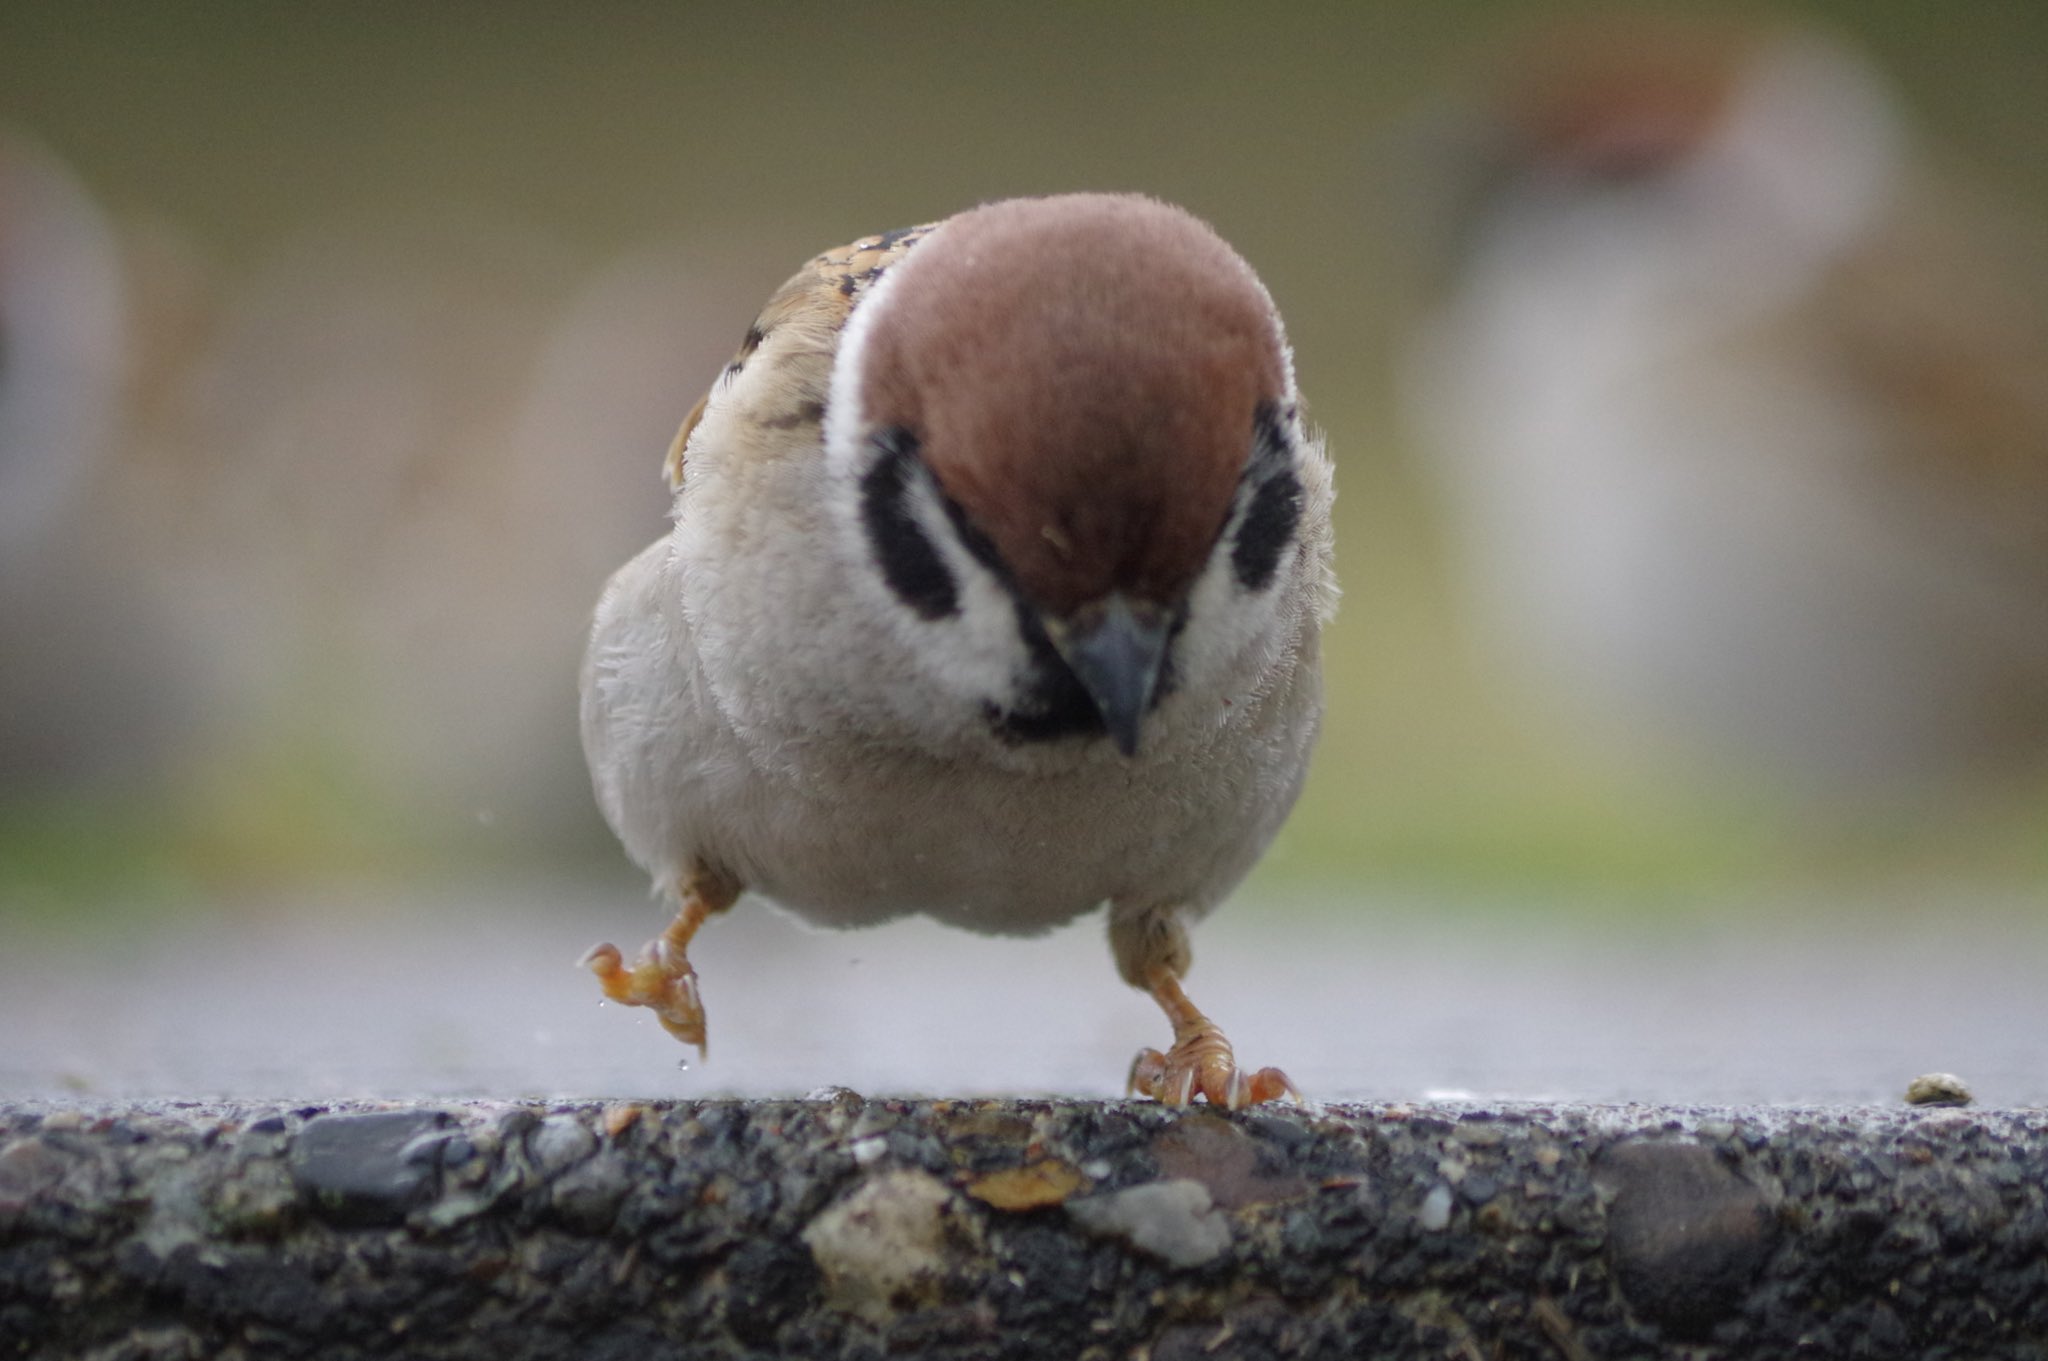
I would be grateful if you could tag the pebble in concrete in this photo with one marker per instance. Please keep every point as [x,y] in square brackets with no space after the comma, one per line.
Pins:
[1175,1220]
[891,1245]
[1686,1236]
[369,1169]
[1938,1089]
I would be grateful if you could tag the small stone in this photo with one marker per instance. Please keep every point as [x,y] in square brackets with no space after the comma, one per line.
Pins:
[1686,1236]
[1435,1214]
[1173,1220]
[258,1197]
[620,1118]
[1287,1133]
[1478,1188]
[453,1211]
[891,1244]
[587,1197]
[1031,1187]
[28,1167]
[835,1096]
[1938,1089]
[1225,1160]
[368,1169]
[558,1143]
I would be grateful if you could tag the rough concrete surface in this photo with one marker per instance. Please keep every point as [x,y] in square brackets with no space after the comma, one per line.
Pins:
[843,1227]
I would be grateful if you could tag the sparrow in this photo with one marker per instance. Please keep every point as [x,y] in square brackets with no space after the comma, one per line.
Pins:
[999,562]
[91,695]
[1739,410]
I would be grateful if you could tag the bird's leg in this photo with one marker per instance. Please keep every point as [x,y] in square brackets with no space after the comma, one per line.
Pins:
[1151,949]
[661,977]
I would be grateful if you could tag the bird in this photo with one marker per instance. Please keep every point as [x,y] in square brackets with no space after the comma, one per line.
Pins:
[1000,557]
[1735,400]
[92,696]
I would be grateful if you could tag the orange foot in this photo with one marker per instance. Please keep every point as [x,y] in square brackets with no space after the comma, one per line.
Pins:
[661,977]
[1206,1069]
[1200,1062]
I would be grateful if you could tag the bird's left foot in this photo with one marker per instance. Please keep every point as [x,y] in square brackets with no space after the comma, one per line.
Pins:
[1201,1063]
[661,979]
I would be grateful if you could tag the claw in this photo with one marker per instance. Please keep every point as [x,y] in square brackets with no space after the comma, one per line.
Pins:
[1201,1063]
[1270,1084]
[1146,1071]
[660,979]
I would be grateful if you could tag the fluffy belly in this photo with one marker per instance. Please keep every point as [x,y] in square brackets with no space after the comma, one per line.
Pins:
[1001,853]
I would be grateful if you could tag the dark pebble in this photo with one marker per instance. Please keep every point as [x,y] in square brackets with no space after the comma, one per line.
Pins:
[368,1169]
[1280,1130]
[1477,1188]
[1686,1236]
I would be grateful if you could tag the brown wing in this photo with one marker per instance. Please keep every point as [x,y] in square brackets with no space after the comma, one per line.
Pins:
[818,298]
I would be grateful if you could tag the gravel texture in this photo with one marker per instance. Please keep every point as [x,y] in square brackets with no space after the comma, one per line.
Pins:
[844,1227]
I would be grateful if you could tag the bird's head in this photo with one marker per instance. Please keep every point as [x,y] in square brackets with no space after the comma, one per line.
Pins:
[1072,427]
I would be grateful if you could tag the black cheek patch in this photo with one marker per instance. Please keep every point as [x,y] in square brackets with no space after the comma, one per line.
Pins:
[905,553]
[1268,528]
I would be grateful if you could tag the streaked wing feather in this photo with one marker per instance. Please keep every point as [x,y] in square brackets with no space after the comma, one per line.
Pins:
[821,295]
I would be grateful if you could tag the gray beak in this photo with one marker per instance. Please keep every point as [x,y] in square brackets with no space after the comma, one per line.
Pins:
[1116,648]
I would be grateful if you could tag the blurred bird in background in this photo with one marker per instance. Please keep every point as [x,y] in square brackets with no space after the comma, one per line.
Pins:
[1739,409]
[311,542]
[392,484]
[79,649]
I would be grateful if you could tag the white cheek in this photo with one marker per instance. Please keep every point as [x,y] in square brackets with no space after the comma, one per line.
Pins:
[971,657]
[976,652]
[1223,620]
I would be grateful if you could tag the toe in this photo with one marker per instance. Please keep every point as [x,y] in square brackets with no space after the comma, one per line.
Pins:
[1148,1070]
[1270,1084]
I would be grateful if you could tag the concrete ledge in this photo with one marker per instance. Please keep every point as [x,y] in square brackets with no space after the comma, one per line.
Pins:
[839,1226]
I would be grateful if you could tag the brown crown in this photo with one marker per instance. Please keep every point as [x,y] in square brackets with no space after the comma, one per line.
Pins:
[1081,373]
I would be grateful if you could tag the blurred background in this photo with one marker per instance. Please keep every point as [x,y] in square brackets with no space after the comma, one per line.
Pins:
[1684,368]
